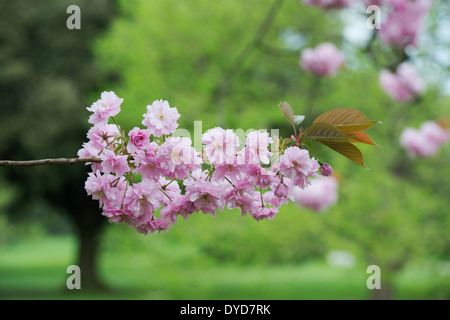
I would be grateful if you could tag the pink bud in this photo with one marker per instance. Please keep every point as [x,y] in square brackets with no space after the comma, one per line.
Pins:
[326,170]
[282,190]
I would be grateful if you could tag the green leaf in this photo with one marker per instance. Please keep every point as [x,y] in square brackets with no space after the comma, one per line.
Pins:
[290,143]
[346,119]
[308,145]
[325,132]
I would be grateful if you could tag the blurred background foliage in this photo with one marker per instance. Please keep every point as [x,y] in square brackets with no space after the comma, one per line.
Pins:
[226,63]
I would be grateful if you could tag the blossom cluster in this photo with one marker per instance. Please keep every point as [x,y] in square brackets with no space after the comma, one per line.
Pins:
[149,177]
[425,141]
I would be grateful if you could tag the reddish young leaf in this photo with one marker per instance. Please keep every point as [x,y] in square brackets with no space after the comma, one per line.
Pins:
[360,137]
[325,132]
[346,119]
[347,150]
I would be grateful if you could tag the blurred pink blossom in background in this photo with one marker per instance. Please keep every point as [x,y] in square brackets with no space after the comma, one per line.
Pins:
[425,141]
[324,60]
[404,22]
[319,195]
[404,85]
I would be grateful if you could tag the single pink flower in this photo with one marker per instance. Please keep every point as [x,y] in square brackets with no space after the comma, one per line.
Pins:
[220,146]
[179,206]
[297,165]
[260,177]
[232,172]
[142,199]
[104,108]
[207,196]
[139,140]
[105,188]
[147,164]
[176,157]
[112,163]
[91,150]
[102,134]
[241,196]
[160,118]
[118,216]
[256,149]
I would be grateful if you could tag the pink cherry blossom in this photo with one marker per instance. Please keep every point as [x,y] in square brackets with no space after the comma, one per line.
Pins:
[260,177]
[105,188]
[160,118]
[241,196]
[297,165]
[256,149]
[176,157]
[180,206]
[118,216]
[147,164]
[90,149]
[220,146]
[324,60]
[112,163]
[234,173]
[102,134]
[207,196]
[139,140]
[263,207]
[142,199]
[104,108]
[262,213]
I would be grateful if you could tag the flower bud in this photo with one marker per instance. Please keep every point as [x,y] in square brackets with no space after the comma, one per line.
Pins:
[326,170]
[282,190]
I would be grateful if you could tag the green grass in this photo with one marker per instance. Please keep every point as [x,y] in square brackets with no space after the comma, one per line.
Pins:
[37,270]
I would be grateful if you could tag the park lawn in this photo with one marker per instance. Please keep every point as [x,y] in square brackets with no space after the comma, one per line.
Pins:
[37,270]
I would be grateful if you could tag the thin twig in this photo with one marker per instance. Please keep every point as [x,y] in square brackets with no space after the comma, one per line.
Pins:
[30,163]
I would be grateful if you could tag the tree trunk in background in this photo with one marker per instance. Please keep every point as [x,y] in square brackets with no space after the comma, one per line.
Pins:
[89,223]
[88,257]
[386,292]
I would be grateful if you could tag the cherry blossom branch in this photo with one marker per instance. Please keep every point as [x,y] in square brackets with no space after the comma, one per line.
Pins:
[30,163]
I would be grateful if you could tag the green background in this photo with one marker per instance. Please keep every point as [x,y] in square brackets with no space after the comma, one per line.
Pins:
[220,63]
